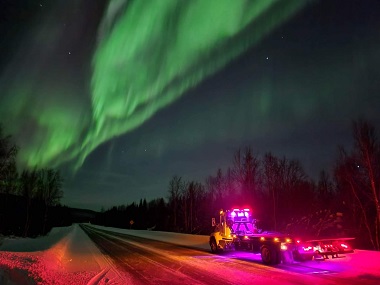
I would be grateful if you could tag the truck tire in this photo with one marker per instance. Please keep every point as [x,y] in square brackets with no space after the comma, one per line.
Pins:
[269,255]
[214,246]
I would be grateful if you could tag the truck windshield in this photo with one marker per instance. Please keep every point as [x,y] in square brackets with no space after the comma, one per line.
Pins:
[243,228]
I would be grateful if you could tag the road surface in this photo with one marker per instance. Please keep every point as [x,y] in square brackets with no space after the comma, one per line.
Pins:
[145,261]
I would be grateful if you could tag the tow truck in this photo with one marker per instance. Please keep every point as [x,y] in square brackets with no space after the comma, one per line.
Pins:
[237,230]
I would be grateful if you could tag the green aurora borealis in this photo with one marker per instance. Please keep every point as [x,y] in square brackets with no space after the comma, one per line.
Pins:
[149,55]
[140,81]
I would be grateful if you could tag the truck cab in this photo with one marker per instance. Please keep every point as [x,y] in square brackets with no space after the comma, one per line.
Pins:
[237,230]
[221,238]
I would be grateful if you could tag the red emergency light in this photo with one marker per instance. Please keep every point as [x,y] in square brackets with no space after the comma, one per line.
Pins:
[237,213]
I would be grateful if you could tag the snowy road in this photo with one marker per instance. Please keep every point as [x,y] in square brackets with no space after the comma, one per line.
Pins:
[146,261]
[113,256]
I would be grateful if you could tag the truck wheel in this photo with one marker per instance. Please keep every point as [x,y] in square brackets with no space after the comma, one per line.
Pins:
[214,246]
[269,256]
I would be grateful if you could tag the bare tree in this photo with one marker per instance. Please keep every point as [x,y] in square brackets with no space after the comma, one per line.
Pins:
[192,198]
[175,189]
[8,175]
[230,186]
[325,191]
[247,172]
[218,184]
[368,154]
[285,182]
[49,190]
[359,172]
[28,189]
[8,171]
[216,189]
[271,182]
[294,189]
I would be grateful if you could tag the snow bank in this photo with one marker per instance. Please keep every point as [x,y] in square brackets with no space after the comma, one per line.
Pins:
[65,256]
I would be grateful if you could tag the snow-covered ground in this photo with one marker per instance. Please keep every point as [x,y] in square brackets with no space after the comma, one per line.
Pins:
[68,256]
[65,256]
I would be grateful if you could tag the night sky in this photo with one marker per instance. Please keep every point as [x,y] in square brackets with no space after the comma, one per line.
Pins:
[123,96]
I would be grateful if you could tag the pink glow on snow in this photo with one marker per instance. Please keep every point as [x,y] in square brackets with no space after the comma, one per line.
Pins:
[68,256]
[65,256]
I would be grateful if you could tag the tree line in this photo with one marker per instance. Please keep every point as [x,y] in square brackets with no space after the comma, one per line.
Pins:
[27,199]
[345,202]
[282,197]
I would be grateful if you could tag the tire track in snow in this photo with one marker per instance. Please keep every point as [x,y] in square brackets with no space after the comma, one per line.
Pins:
[150,266]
